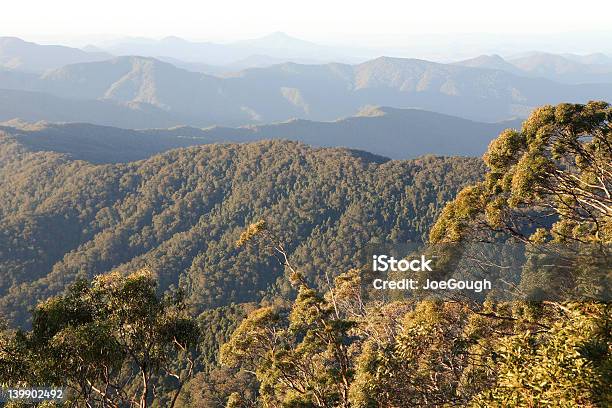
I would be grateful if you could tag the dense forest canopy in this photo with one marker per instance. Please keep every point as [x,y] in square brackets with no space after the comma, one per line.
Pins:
[179,214]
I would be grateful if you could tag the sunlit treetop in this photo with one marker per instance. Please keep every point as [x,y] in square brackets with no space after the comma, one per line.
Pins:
[549,181]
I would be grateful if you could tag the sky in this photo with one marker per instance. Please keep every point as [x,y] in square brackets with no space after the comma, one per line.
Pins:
[328,21]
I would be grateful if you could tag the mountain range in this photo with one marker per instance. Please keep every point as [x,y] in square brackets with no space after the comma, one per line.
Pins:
[146,92]
[205,57]
[389,132]
[572,69]
[277,48]
[274,46]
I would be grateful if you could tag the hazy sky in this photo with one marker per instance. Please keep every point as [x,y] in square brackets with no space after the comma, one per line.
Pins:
[331,21]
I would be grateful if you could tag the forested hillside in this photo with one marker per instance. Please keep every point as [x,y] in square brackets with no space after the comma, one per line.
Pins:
[180,213]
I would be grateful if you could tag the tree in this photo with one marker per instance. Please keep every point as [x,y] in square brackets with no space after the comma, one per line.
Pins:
[300,356]
[552,179]
[568,366]
[548,187]
[112,342]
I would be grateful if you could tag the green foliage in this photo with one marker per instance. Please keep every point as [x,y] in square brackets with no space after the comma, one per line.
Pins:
[100,336]
[300,358]
[216,326]
[568,366]
[547,186]
[426,361]
[426,354]
[554,175]
[214,389]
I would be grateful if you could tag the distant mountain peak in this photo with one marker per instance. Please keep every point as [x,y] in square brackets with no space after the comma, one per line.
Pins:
[9,40]
[396,60]
[489,61]
[490,57]
[93,49]
[174,39]
[137,58]
[277,39]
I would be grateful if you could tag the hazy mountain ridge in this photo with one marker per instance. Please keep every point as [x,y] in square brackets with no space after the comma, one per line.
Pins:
[437,47]
[390,132]
[597,58]
[493,61]
[36,106]
[18,54]
[144,92]
[572,69]
[99,144]
[141,80]
[276,45]
[290,90]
